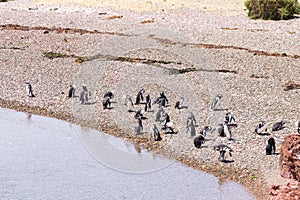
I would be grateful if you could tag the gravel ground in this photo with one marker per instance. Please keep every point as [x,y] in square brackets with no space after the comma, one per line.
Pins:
[260,56]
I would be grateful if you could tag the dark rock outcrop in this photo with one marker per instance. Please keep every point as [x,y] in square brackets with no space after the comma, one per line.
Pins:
[289,192]
[290,157]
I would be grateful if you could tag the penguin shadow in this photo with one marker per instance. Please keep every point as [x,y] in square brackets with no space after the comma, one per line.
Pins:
[276,154]
[233,125]
[75,96]
[183,107]
[142,133]
[109,108]
[150,111]
[207,140]
[227,161]
[264,134]
[220,109]
[113,102]
[90,103]
[279,129]
[204,147]
[171,132]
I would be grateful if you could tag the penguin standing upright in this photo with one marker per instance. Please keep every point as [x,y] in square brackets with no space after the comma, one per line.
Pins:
[148,103]
[139,126]
[178,104]
[227,130]
[222,148]
[216,102]
[191,127]
[298,126]
[84,95]
[29,89]
[72,91]
[140,97]
[155,132]
[128,102]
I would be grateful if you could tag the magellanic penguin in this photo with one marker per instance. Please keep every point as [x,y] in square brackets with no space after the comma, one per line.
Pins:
[72,91]
[222,148]
[191,127]
[179,103]
[261,128]
[140,97]
[155,133]
[270,148]
[29,89]
[278,126]
[216,102]
[298,126]
[138,128]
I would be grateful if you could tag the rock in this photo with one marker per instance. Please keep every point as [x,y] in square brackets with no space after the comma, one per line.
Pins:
[289,192]
[289,157]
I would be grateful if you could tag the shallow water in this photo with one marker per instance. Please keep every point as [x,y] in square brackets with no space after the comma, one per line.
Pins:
[45,158]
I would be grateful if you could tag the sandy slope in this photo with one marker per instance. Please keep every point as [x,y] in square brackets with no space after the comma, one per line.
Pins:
[222,6]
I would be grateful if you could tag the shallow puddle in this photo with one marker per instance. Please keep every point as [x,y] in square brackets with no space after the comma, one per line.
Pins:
[45,158]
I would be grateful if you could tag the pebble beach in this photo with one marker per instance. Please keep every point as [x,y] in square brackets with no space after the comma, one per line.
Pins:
[195,51]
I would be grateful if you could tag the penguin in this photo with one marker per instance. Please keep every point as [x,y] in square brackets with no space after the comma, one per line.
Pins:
[222,148]
[270,148]
[139,97]
[278,126]
[198,141]
[167,124]
[227,130]
[205,130]
[128,102]
[162,95]
[220,130]
[139,126]
[179,103]
[29,89]
[84,95]
[191,128]
[139,114]
[155,132]
[109,94]
[148,103]
[106,103]
[261,127]
[229,118]
[216,102]
[162,100]
[165,120]
[159,114]
[72,91]
[298,126]
[191,116]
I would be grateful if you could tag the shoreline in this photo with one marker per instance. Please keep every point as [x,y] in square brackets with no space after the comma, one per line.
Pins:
[249,179]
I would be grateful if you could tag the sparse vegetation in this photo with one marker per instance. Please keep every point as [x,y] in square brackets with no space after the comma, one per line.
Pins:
[52,55]
[272,9]
[290,85]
